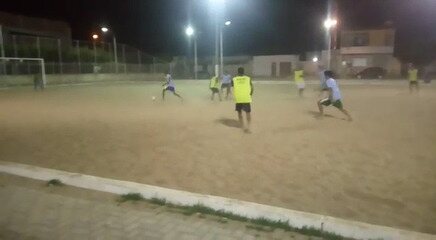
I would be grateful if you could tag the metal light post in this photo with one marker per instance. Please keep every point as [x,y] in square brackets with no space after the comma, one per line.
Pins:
[105,30]
[94,37]
[191,32]
[328,25]
[2,49]
[218,8]
[227,23]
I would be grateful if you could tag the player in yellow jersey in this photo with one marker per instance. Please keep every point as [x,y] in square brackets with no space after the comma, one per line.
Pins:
[242,92]
[299,80]
[412,75]
[214,86]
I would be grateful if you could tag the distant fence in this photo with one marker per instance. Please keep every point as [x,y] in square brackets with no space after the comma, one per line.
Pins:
[75,57]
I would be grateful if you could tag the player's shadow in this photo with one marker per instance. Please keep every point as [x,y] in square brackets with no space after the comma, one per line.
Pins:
[229,122]
[317,115]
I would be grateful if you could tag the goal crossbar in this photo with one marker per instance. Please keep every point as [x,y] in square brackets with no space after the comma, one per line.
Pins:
[44,80]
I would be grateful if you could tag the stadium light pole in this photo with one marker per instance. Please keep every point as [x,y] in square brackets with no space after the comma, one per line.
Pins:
[105,30]
[2,49]
[94,38]
[1,42]
[227,23]
[217,7]
[329,24]
[190,32]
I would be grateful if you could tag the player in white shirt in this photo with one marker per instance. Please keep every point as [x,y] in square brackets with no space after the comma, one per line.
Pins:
[334,98]
[169,86]
[226,83]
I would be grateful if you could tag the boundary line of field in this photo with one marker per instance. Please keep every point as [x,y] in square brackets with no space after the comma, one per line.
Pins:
[297,219]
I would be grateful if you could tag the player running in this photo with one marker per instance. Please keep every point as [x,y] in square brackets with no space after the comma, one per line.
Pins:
[226,83]
[299,80]
[169,86]
[412,75]
[242,92]
[214,86]
[334,96]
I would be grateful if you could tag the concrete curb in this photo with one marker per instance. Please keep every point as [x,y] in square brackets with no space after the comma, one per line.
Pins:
[298,219]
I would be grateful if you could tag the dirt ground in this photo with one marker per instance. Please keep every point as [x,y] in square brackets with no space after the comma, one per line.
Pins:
[380,168]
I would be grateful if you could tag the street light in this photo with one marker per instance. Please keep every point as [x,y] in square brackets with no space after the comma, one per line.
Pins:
[227,23]
[190,32]
[315,59]
[217,8]
[94,37]
[105,30]
[329,24]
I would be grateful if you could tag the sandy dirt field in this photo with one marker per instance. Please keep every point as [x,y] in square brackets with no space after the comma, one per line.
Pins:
[380,168]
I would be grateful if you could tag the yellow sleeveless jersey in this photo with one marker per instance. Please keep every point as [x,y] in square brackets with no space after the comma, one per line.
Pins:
[413,75]
[214,83]
[242,89]
[299,76]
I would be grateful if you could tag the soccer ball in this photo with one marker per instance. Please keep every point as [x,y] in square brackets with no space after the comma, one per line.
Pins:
[153,98]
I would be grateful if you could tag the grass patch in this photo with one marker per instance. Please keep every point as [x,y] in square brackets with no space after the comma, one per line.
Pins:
[158,201]
[131,197]
[54,182]
[260,224]
[260,228]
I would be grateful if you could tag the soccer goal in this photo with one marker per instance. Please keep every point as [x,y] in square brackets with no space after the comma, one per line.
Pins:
[10,66]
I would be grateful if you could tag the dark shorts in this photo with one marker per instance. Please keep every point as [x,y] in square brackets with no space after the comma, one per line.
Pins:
[328,102]
[246,107]
[215,90]
[226,85]
[172,89]
[413,83]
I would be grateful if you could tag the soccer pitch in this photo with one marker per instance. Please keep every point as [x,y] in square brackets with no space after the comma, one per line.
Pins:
[380,168]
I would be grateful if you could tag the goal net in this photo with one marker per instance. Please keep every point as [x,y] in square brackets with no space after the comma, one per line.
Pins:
[22,71]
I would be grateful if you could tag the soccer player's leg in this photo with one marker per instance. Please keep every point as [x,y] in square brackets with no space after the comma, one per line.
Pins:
[322,103]
[238,109]
[212,95]
[247,110]
[338,104]
[163,93]
[177,95]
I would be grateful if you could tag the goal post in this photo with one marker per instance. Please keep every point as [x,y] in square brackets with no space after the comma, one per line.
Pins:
[10,66]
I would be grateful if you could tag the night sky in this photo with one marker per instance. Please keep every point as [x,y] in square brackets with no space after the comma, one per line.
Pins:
[258,26]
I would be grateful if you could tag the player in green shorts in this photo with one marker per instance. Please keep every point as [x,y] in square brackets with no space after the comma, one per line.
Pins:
[334,98]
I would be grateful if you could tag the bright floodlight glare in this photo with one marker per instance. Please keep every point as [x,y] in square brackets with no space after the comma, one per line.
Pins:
[218,2]
[189,31]
[94,36]
[315,59]
[227,23]
[104,29]
[329,23]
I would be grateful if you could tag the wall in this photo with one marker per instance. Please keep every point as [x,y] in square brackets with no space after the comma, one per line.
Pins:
[52,79]
[310,69]
[262,64]
[378,37]
[34,26]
